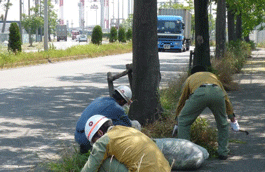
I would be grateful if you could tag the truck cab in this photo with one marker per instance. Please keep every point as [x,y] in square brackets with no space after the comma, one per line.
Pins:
[170,30]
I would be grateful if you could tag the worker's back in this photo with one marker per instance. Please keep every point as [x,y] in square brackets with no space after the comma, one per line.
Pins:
[135,150]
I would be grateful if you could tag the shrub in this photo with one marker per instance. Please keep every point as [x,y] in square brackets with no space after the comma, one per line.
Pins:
[113,35]
[204,135]
[14,43]
[252,45]
[129,34]
[121,35]
[237,53]
[96,35]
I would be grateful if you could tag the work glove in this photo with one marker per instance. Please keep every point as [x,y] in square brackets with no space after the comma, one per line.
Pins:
[175,130]
[235,126]
[136,125]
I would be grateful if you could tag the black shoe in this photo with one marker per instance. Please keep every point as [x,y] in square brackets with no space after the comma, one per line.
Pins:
[222,157]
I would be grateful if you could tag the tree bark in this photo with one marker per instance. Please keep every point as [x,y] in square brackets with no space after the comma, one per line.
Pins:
[220,29]
[146,68]
[231,25]
[239,27]
[202,49]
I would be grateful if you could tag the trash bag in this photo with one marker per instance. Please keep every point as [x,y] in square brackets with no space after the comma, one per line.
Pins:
[182,154]
[112,165]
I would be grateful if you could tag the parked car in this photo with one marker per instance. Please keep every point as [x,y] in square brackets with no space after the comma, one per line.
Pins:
[82,38]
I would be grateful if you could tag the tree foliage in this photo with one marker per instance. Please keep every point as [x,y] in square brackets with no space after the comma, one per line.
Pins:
[97,35]
[31,23]
[127,24]
[14,43]
[121,35]
[129,34]
[113,35]
[6,6]
[36,21]
[252,13]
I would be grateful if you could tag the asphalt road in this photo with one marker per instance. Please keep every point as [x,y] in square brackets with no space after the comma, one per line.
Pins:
[41,104]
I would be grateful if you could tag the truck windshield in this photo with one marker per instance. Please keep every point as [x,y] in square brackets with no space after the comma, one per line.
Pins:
[168,27]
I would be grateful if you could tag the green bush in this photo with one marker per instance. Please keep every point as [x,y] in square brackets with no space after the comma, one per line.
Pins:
[237,53]
[129,34]
[113,35]
[14,43]
[252,45]
[121,35]
[204,135]
[97,35]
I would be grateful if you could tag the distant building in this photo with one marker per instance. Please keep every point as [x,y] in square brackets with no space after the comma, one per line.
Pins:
[257,35]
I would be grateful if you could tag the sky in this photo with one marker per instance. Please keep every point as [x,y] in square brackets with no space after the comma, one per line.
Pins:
[71,10]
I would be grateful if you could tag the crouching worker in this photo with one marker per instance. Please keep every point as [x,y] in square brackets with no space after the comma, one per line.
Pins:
[121,148]
[110,107]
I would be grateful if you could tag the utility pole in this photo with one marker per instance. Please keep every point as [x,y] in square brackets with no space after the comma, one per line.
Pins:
[30,41]
[102,14]
[37,32]
[118,14]
[122,9]
[45,25]
[20,18]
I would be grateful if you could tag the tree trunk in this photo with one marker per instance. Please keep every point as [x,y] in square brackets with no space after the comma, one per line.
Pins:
[146,68]
[202,49]
[231,25]
[246,38]
[4,24]
[220,29]
[239,27]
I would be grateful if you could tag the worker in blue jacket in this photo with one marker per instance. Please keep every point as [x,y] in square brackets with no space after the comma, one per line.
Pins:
[111,107]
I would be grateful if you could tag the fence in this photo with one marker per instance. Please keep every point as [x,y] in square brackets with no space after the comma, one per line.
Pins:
[111,78]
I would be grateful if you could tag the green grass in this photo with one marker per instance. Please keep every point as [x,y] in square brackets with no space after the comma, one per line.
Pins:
[261,45]
[71,160]
[8,59]
[237,141]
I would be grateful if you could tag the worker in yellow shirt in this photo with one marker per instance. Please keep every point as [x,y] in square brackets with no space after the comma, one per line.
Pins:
[121,148]
[203,89]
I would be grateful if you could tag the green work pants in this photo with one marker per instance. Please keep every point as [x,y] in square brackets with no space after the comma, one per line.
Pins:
[214,98]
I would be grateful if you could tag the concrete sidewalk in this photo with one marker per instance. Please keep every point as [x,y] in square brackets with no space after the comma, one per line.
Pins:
[247,151]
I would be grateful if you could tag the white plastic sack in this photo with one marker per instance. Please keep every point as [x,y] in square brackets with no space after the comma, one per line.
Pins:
[182,154]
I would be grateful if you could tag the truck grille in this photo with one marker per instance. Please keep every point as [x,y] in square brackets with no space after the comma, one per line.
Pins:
[169,37]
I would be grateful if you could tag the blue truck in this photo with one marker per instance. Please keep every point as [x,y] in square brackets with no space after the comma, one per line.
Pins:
[174,29]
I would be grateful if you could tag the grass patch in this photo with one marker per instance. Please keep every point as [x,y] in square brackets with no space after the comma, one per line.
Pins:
[71,161]
[237,141]
[261,44]
[8,59]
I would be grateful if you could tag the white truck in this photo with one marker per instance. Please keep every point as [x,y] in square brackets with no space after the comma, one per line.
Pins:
[61,32]
[174,29]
